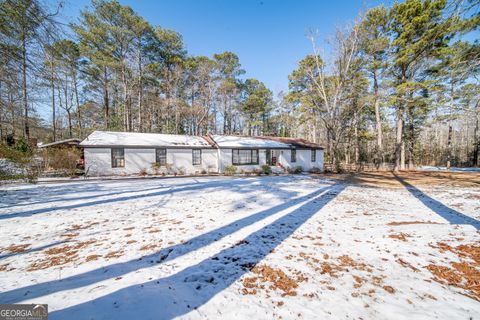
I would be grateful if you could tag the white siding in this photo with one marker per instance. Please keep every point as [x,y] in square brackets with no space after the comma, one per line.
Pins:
[303,159]
[98,161]
[181,160]
[138,160]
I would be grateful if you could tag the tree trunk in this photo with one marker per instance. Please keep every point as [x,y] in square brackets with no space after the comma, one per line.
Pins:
[79,118]
[26,130]
[140,90]
[476,139]
[449,146]
[378,121]
[399,143]
[357,141]
[67,108]
[126,107]
[105,97]
[54,118]
[70,133]
[411,139]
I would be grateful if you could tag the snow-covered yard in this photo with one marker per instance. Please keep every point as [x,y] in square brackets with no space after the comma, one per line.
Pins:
[265,247]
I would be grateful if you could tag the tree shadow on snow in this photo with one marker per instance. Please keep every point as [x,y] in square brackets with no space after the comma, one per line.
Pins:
[451,215]
[188,187]
[194,286]
[162,256]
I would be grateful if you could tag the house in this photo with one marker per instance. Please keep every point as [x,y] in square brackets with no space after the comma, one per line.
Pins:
[249,153]
[119,153]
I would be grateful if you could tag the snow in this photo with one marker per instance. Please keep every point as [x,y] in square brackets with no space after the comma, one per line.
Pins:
[72,141]
[11,168]
[105,138]
[247,142]
[184,247]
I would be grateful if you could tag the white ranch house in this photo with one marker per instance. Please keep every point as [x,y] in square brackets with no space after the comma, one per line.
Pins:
[123,153]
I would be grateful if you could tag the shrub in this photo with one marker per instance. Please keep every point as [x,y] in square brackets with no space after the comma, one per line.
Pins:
[257,171]
[298,170]
[266,169]
[248,172]
[22,145]
[203,171]
[315,170]
[61,159]
[143,172]
[230,170]
[295,170]
[15,155]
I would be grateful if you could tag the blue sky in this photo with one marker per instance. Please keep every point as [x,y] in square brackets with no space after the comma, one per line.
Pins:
[268,36]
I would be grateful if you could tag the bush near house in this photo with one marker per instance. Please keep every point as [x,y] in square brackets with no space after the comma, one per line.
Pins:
[266,169]
[19,153]
[230,170]
[63,160]
[296,170]
[315,170]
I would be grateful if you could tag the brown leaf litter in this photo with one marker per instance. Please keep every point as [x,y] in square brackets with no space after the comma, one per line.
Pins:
[80,227]
[114,254]
[465,274]
[399,236]
[60,256]
[16,248]
[401,223]
[274,278]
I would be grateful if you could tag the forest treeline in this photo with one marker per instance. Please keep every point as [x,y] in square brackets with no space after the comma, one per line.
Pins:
[400,85]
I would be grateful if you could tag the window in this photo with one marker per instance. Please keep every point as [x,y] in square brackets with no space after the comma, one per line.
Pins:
[314,155]
[293,156]
[118,158]
[196,156]
[161,157]
[244,156]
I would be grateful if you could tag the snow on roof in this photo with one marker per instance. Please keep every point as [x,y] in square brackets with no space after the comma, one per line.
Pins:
[247,142]
[135,139]
[69,142]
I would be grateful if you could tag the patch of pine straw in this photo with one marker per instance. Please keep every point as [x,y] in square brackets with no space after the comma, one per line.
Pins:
[16,248]
[345,265]
[58,256]
[407,265]
[114,254]
[85,226]
[400,223]
[149,247]
[399,236]
[4,267]
[465,274]
[274,278]
[92,257]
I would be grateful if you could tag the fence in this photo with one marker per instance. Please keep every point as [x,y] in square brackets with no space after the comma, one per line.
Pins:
[358,167]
